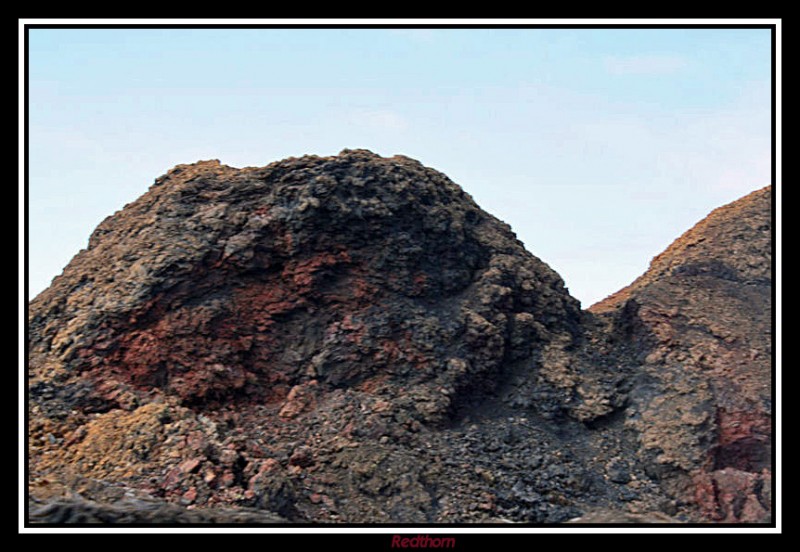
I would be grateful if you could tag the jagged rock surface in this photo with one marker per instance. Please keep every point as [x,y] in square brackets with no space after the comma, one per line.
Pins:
[352,338]
[700,321]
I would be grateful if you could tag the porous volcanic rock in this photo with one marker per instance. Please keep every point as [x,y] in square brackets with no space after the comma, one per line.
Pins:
[352,339]
[226,308]
[700,321]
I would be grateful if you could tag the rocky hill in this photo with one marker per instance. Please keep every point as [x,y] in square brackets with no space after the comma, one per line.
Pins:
[352,339]
[700,321]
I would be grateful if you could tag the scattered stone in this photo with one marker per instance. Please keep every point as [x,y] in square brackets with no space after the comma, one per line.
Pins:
[190,465]
[618,471]
[189,496]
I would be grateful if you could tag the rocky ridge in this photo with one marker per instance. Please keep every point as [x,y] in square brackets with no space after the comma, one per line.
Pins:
[352,339]
[700,320]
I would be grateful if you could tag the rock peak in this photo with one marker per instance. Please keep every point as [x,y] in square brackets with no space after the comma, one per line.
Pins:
[351,338]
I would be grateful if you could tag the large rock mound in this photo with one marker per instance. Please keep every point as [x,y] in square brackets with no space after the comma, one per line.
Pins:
[372,291]
[222,285]
[352,339]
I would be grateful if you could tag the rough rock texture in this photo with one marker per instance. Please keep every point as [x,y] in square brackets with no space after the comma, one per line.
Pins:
[700,320]
[352,339]
[76,509]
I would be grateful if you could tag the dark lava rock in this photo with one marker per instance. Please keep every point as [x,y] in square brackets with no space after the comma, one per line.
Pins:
[137,511]
[352,339]
[618,471]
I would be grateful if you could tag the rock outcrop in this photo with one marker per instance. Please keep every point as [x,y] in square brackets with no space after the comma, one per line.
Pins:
[352,339]
[700,321]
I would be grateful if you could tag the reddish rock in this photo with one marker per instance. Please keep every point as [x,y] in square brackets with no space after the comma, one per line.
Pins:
[730,495]
[190,465]
[172,479]
[300,398]
[302,457]
[189,496]
[269,465]
[358,326]
[227,479]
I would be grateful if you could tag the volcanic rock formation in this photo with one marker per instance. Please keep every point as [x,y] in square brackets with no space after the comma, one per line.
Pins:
[352,339]
[700,320]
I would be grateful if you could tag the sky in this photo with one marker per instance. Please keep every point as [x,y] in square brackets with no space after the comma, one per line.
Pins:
[598,146]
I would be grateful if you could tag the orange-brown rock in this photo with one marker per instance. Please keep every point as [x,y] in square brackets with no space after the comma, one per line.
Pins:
[352,339]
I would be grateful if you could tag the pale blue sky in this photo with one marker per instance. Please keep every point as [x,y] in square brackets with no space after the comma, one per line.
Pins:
[599,147]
